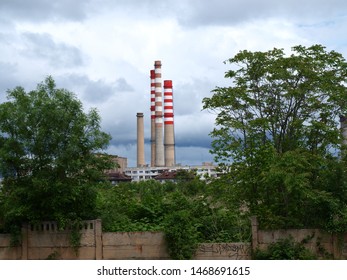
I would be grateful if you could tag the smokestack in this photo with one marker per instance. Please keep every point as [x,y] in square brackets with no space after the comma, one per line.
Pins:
[140,141]
[169,135]
[152,117]
[159,145]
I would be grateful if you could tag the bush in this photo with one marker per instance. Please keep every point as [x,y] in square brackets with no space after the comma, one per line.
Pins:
[285,249]
[181,235]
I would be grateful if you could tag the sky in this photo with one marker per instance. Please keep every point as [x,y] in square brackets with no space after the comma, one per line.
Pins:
[103,51]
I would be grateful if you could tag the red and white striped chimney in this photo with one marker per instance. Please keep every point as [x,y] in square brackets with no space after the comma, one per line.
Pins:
[169,135]
[152,72]
[159,145]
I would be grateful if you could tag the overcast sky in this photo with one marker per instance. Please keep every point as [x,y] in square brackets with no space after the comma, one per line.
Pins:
[103,51]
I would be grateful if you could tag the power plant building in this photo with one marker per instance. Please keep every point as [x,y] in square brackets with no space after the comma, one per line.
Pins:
[146,173]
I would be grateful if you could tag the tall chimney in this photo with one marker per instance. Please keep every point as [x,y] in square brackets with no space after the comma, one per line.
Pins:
[159,145]
[140,141]
[169,134]
[152,117]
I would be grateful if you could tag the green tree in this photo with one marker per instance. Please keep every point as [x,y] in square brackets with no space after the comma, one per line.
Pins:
[277,135]
[50,156]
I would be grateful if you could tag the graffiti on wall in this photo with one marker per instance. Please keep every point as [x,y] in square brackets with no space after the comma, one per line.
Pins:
[235,251]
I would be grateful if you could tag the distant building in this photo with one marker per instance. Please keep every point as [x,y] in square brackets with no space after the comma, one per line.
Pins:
[167,176]
[117,175]
[148,172]
[178,175]
[123,173]
[121,162]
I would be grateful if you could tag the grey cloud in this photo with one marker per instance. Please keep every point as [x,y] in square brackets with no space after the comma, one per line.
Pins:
[188,12]
[188,96]
[193,155]
[195,13]
[198,140]
[94,91]
[144,8]
[7,78]
[122,85]
[122,136]
[192,135]
[42,10]
[224,12]
[97,91]
[42,46]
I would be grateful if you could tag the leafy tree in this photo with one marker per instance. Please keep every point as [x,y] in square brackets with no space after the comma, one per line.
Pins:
[277,135]
[49,156]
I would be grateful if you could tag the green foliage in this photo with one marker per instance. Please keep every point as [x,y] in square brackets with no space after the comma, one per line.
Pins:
[285,249]
[223,224]
[181,234]
[75,235]
[131,206]
[48,157]
[290,101]
[277,136]
[189,212]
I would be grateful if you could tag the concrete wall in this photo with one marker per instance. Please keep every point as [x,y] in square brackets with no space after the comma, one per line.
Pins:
[319,242]
[6,251]
[223,251]
[134,245]
[45,241]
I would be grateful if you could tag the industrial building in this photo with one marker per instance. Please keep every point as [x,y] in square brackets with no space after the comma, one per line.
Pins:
[146,173]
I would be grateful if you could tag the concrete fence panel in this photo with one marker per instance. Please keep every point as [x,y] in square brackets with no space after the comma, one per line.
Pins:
[223,251]
[134,245]
[6,251]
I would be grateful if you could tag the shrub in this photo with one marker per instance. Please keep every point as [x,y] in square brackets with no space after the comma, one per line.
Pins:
[284,249]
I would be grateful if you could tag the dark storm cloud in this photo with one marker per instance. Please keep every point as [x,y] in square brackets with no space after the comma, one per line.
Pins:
[193,130]
[201,140]
[58,54]
[42,10]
